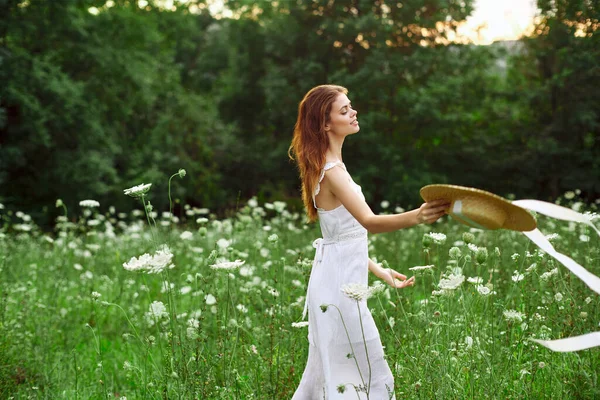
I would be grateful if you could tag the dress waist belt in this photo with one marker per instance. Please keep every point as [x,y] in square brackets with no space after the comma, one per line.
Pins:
[318,244]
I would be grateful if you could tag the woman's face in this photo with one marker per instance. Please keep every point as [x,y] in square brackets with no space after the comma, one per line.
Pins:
[342,118]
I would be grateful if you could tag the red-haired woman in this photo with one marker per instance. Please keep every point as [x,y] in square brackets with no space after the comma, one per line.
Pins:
[345,356]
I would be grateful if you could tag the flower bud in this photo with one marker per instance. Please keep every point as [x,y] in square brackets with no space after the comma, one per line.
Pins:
[427,240]
[468,237]
[455,253]
[481,255]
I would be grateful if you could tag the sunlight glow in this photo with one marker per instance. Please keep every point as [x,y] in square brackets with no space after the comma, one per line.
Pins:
[494,20]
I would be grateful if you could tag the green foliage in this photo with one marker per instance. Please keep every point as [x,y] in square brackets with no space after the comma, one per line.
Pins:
[92,103]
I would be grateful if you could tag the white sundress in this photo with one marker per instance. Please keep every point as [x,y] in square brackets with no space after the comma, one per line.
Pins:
[341,258]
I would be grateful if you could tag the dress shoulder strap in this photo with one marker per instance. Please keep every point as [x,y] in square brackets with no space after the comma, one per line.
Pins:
[327,167]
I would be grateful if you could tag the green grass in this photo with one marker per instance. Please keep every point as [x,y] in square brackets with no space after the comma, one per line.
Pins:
[58,341]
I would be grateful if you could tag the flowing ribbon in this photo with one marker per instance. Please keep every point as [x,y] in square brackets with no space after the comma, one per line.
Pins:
[574,343]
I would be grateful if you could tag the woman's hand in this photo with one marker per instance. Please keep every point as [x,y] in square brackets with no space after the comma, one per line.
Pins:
[396,279]
[431,211]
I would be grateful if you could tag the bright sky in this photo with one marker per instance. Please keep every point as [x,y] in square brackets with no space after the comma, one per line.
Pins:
[500,20]
[491,20]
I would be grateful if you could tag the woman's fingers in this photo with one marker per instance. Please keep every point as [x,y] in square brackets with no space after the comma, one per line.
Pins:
[400,276]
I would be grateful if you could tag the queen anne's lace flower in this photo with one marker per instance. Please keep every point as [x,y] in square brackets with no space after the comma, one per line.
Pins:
[452,282]
[358,291]
[151,264]
[157,312]
[438,238]
[138,191]
[483,290]
[228,264]
[421,267]
[513,315]
[89,203]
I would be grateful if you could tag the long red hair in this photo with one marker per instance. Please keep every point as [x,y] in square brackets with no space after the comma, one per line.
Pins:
[310,141]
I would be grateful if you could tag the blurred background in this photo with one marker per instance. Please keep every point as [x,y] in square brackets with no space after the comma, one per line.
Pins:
[97,96]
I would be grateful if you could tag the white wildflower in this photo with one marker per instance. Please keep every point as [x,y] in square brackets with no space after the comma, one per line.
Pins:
[472,247]
[210,299]
[301,324]
[96,295]
[588,300]
[385,204]
[186,235]
[151,264]
[438,238]
[157,312]
[483,290]
[242,308]
[89,203]
[558,296]
[358,291]
[138,191]
[469,342]
[223,243]
[421,267]
[228,265]
[517,277]
[475,279]
[584,238]
[185,290]
[452,282]
[547,275]
[513,315]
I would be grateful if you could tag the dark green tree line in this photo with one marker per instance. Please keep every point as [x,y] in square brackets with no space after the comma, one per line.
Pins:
[91,103]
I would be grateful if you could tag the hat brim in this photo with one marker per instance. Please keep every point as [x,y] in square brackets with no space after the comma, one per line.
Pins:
[517,218]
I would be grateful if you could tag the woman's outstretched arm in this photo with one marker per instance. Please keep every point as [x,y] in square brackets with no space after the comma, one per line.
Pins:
[341,188]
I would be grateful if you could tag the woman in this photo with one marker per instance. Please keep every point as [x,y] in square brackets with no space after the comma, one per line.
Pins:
[345,357]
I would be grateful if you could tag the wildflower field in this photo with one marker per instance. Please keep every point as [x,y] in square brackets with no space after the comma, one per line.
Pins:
[191,306]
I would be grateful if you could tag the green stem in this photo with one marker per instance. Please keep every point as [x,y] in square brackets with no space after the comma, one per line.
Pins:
[350,342]
[366,349]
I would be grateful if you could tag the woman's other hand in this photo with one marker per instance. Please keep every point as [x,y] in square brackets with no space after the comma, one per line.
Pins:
[396,279]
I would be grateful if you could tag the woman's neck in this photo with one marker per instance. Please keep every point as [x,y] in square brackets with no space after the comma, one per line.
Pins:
[334,153]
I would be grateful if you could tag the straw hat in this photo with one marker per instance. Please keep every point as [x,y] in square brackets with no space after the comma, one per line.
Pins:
[480,209]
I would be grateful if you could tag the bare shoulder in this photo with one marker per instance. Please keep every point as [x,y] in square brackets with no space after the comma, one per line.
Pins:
[336,176]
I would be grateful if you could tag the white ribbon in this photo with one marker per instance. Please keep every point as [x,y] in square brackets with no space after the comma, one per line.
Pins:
[456,212]
[574,343]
